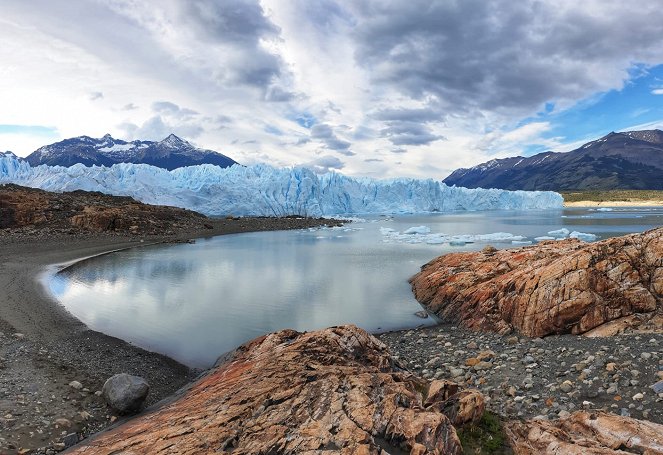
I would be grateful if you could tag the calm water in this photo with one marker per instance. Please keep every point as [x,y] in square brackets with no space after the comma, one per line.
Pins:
[195,302]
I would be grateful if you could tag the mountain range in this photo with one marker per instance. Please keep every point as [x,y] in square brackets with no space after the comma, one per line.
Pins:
[627,160]
[170,153]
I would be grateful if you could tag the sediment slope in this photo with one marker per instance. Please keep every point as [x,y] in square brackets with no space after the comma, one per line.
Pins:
[336,390]
[553,287]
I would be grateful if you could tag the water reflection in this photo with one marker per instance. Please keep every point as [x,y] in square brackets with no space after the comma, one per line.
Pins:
[195,302]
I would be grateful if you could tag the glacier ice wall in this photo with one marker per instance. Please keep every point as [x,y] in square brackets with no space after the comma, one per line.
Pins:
[264,190]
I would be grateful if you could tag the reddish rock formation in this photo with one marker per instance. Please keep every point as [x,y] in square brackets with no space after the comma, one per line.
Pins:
[333,390]
[552,287]
[586,433]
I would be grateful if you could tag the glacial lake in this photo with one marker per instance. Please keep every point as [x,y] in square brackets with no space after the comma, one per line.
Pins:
[194,302]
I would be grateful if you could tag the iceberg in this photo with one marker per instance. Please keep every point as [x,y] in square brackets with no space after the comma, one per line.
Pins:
[559,232]
[585,237]
[262,190]
[393,236]
[417,230]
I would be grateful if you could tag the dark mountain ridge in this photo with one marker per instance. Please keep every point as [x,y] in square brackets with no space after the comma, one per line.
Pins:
[170,153]
[628,160]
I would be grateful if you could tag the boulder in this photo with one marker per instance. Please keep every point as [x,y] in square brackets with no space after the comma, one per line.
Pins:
[552,287]
[585,433]
[336,390]
[125,393]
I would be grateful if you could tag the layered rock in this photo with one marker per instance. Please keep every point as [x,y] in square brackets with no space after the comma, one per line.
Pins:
[586,433]
[333,390]
[553,287]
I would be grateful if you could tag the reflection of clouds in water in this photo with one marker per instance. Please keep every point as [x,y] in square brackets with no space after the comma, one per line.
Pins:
[195,302]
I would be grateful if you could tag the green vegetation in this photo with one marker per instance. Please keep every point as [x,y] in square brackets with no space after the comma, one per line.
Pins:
[613,195]
[486,436]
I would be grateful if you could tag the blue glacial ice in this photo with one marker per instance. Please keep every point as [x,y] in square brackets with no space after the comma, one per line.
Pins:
[264,190]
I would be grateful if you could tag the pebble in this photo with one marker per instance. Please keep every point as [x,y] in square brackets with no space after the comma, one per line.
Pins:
[566,386]
[524,378]
[76,385]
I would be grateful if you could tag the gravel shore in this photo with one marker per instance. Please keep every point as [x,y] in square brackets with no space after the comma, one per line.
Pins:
[51,365]
[541,377]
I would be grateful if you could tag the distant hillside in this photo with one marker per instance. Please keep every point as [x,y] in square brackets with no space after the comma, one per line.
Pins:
[169,153]
[629,160]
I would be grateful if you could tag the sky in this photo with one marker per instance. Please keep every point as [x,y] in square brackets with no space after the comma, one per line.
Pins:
[372,88]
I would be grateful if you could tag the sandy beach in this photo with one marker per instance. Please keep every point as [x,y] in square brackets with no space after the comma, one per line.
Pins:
[51,363]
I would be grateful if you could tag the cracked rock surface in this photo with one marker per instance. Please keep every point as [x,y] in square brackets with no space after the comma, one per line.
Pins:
[586,433]
[551,288]
[337,390]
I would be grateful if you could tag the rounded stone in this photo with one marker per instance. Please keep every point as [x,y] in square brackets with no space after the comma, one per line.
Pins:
[125,393]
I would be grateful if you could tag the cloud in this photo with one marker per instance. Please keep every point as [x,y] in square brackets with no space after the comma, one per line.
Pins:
[424,81]
[409,133]
[504,56]
[96,96]
[169,118]
[421,115]
[325,134]
[240,28]
[324,164]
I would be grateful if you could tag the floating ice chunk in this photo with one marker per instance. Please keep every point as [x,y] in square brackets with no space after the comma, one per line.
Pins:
[499,237]
[386,230]
[521,242]
[604,209]
[417,230]
[544,237]
[583,236]
[559,232]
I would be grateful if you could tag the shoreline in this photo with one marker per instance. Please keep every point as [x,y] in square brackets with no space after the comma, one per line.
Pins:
[638,203]
[43,348]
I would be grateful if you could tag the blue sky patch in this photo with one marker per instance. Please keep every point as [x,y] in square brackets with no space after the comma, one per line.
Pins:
[616,110]
[32,130]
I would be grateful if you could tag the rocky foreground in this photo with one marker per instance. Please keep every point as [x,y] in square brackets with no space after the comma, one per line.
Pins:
[339,390]
[336,390]
[554,287]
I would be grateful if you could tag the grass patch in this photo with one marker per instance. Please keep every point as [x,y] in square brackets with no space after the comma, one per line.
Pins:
[484,437]
[612,195]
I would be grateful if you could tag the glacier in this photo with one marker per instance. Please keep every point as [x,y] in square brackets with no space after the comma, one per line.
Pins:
[262,190]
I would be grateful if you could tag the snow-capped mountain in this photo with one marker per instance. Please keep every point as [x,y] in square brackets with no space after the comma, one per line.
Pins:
[628,160]
[264,190]
[169,153]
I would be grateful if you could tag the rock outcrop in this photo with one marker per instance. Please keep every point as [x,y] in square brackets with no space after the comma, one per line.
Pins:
[91,211]
[333,390]
[553,287]
[585,433]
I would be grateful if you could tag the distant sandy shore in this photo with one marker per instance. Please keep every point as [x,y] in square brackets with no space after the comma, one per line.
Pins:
[642,203]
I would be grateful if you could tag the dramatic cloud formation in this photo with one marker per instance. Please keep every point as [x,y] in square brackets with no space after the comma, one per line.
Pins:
[372,87]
